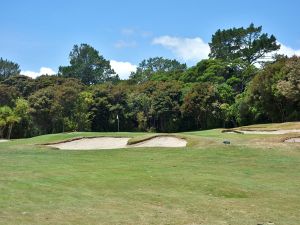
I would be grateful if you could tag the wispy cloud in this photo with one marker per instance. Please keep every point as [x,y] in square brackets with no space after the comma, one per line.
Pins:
[130,37]
[125,44]
[146,34]
[123,68]
[128,31]
[187,49]
[136,32]
[34,74]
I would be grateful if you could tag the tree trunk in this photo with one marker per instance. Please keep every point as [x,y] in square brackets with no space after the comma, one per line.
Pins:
[1,132]
[9,130]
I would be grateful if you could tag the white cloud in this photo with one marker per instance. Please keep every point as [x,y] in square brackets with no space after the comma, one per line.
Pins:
[135,32]
[286,50]
[43,71]
[123,68]
[125,44]
[188,49]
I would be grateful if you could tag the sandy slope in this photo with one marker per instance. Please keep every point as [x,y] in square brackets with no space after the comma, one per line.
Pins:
[293,140]
[93,143]
[113,143]
[269,132]
[162,142]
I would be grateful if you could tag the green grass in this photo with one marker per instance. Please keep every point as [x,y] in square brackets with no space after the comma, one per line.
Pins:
[254,180]
[273,126]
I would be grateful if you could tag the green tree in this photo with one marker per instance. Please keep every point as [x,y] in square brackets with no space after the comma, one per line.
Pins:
[81,114]
[87,65]
[8,118]
[274,92]
[8,68]
[165,106]
[140,104]
[235,73]
[100,108]
[248,44]
[8,95]
[66,98]
[22,84]
[157,68]
[110,101]
[45,111]
[201,105]
[289,85]
[207,70]
[2,125]
[11,120]
[25,127]
[5,111]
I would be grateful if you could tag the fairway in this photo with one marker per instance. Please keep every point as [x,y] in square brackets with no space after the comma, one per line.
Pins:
[254,180]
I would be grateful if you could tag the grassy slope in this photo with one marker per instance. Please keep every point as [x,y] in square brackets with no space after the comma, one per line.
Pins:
[251,181]
[273,126]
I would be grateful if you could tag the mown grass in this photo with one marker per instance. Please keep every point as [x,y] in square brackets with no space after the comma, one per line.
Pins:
[206,183]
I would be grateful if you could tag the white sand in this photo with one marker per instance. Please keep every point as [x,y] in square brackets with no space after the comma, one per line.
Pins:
[3,140]
[293,140]
[163,141]
[93,143]
[113,143]
[269,132]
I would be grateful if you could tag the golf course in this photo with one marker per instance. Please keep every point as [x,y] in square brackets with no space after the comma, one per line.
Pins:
[252,179]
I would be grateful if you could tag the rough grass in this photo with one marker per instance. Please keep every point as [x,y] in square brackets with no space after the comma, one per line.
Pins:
[253,180]
[273,126]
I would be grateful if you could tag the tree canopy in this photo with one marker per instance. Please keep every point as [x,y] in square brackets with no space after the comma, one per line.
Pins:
[87,65]
[248,44]
[157,68]
[8,68]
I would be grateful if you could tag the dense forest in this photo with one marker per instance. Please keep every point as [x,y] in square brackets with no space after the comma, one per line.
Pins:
[241,83]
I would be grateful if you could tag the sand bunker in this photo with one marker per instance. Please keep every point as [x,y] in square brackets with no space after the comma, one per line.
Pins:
[3,140]
[114,143]
[267,132]
[293,140]
[93,143]
[162,142]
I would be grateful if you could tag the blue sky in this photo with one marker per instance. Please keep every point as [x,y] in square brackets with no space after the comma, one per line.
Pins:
[40,34]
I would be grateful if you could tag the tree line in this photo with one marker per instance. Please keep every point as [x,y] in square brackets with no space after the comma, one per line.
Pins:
[239,84]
